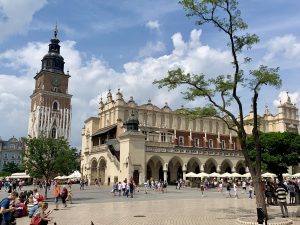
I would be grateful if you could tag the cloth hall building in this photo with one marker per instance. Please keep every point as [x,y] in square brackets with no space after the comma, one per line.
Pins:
[146,141]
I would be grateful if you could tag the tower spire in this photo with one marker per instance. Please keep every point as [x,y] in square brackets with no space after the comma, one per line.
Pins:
[55,31]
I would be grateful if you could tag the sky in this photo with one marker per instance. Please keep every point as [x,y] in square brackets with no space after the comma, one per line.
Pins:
[127,44]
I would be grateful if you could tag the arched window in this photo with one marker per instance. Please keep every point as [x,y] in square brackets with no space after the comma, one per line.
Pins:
[53,132]
[55,106]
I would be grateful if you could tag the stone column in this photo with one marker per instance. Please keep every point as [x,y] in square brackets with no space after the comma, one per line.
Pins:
[233,170]
[165,175]
[202,168]
[218,168]
[183,174]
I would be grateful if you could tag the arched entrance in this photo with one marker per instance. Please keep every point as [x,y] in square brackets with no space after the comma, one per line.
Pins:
[210,166]
[93,171]
[226,166]
[102,168]
[155,168]
[193,165]
[240,167]
[175,169]
[136,177]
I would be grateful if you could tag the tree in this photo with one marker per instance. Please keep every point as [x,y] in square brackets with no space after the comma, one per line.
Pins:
[222,91]
[11,167]
[47,157]
[279,151]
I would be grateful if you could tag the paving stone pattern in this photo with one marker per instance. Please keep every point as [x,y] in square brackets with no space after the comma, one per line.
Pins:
[177,207]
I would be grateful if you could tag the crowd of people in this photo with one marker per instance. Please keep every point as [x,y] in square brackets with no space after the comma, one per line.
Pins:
[276,192]
[124,188]
[31,203]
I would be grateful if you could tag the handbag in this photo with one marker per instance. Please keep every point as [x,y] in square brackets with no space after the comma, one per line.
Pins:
[35,220]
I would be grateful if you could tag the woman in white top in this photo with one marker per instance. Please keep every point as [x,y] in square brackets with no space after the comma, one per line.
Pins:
[235,190]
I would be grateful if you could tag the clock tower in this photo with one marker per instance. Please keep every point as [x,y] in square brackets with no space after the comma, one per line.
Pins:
[51,109]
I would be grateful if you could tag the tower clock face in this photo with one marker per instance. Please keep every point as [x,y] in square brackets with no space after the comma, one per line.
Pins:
[55,82]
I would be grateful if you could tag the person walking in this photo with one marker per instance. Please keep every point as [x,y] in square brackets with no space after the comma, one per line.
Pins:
[244,185]
[145,186]
[64,195]
[202,190]
[235,187]
[81,184]
[228,188]
[70,195]
[250,190]
[291,189]
[281,196]
[131,188]
[119,188]
[56,193]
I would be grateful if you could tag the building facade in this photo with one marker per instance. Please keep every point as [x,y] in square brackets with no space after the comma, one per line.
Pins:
[11,151]
[166,145]
[51,109]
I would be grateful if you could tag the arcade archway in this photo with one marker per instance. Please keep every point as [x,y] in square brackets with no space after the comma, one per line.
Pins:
[155,168]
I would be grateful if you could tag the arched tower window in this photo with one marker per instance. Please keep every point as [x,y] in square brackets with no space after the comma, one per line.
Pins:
[55,106]
[53,132]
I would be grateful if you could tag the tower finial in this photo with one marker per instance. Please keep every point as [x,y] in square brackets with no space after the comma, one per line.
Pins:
[288,99]
[55,30]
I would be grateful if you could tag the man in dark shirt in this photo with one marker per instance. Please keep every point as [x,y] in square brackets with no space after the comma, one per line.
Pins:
[5,210]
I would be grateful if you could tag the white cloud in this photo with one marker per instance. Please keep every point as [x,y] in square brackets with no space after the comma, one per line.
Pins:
[282,98]
[283,51]
[91,78]
[153,24]
[17,15]
[151,49]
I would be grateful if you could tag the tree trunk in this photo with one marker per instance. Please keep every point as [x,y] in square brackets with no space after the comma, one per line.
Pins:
[259,196]
[46,189]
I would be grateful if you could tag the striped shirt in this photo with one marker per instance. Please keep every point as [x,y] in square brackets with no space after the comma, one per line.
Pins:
[281,194]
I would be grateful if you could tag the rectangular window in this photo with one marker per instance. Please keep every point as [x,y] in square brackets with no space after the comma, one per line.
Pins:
[163,137]
[223,144]
[210,143]
[181,141]
[5,155]
[234,146]
[197,142]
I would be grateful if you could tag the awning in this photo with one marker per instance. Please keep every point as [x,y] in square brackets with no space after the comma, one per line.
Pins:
[104,130]
[19,176]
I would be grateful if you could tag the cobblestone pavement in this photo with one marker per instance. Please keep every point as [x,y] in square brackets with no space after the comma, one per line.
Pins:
[177,207]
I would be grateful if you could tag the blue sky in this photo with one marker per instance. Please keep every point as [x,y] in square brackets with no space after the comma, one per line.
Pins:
[127,44]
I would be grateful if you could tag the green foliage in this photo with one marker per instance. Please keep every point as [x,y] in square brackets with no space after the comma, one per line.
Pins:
[11,167]
[279,151]
[225,16]
[222,91]
[48,157]
[4,174]
[265,76]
